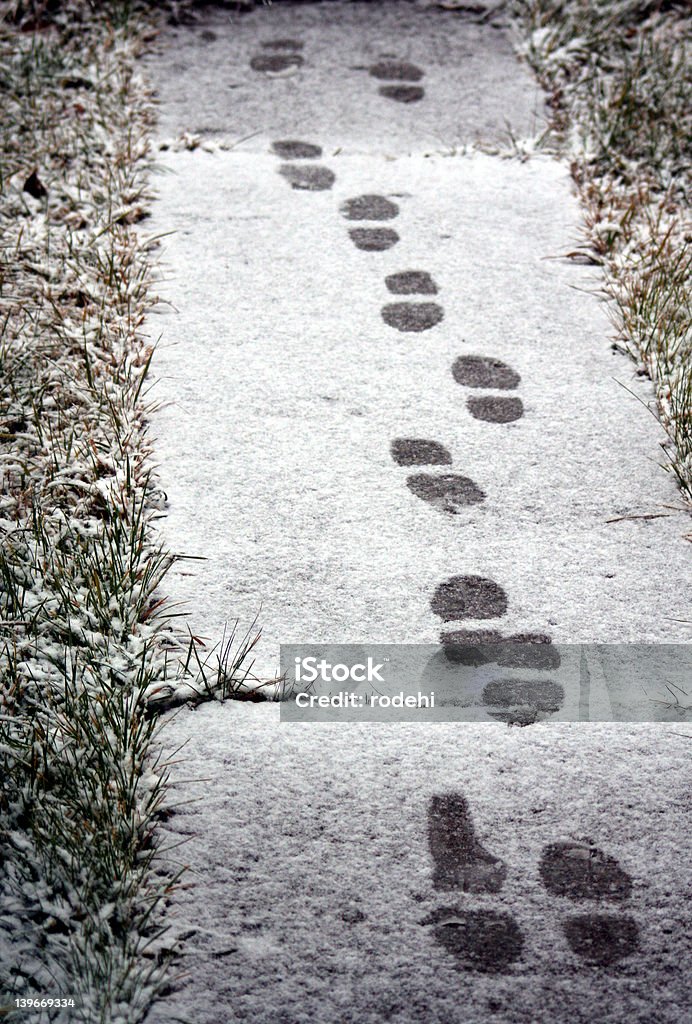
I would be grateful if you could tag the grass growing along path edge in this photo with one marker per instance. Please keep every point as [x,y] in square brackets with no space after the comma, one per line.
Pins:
[619,83]
[88,652]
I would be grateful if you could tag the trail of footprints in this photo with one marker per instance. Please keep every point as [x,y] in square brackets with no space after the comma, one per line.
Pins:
[490,941]
[280,57]
[460,597]
[405,316]
[483,940]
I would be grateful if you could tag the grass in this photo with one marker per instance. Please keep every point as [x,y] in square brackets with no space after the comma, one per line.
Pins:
[89,654]
[618,79]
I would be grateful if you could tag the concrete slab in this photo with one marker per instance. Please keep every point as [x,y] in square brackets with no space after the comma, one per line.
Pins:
[381,416]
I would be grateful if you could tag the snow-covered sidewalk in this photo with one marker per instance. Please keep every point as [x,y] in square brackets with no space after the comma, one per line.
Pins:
[391,413]
[319,886]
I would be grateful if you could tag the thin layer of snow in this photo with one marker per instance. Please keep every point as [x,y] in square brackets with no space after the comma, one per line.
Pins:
[283,388]
[310,871]
[474,89]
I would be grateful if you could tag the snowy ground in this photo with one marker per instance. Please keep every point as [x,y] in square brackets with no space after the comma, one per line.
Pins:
[312,871]
[300,360]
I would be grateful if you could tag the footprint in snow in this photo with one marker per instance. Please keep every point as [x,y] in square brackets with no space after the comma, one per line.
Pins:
[276,63]
[489,646]
[446,492]
[294,149]
[469,597]
[411,282]
[303,177]
[584,873]
[489,941]
[400,72]
[308,179]
[280,56]
[282,44]
[483,940]
[412,316]
[373,239]
[371,207]
[484,372]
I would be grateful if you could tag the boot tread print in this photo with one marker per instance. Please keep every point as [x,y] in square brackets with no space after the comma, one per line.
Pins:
[490,941]
[461,862]
[582,871]
[481,940]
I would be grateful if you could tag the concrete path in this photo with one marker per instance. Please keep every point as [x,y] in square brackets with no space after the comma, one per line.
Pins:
[391,414]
